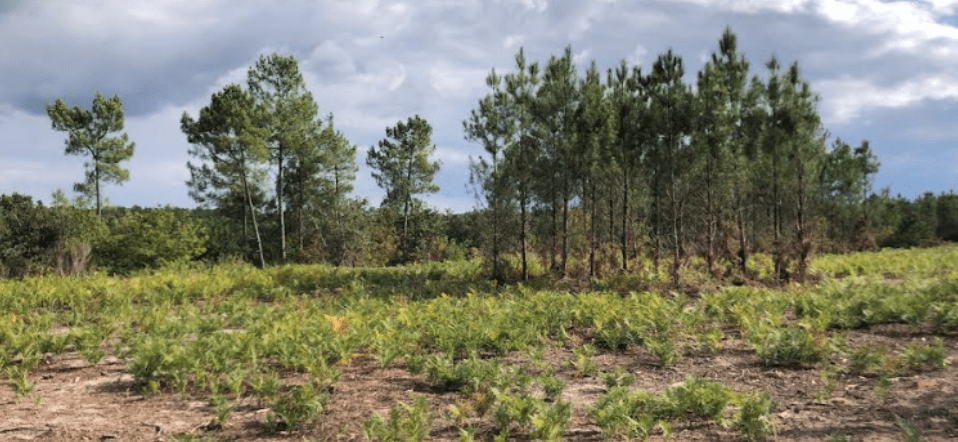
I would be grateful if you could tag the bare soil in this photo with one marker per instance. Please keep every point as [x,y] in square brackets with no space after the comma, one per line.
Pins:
[80,402]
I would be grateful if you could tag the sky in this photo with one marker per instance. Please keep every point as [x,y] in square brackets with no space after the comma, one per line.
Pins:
[885,71]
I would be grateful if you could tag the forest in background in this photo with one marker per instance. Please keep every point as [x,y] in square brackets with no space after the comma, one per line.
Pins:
[586,173]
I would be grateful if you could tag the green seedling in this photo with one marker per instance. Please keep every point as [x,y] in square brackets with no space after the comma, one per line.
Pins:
[406,423]
[618,378]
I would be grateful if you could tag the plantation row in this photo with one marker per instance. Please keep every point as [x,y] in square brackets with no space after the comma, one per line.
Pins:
[280,338]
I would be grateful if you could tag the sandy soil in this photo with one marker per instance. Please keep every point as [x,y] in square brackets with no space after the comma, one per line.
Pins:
[79,402]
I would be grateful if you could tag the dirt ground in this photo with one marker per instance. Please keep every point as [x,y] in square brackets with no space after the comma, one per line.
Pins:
[79,402]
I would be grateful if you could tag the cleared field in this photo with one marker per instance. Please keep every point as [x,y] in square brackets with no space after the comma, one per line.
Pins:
[436,352]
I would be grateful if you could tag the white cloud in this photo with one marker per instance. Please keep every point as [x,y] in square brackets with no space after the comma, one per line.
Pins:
[375,62]
[754,6]
[447,79]
[451,156]
[846,98]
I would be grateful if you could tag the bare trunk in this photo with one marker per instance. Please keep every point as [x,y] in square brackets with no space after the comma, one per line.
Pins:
[565,232]
[496,273]
[804,249]
[777,213]
[523,236]
[625,223]
[96,176]
[259,242]
[554,234]
[279,205]
[592,230]
[710,213]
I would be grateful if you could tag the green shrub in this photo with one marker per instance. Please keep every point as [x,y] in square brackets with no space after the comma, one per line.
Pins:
[406,423]
[140,239]
[618,378]
[300,406]
[866,359]
[790,347]
[552,386]
[917,356]
[545,421]
[754,417]
[636,414]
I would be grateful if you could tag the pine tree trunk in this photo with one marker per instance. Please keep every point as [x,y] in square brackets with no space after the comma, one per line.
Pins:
[523,236]
[259,242]
[96,179]
[625,223]
[804,248]
[592,230]
[496,274]
[279,204]
[565,233]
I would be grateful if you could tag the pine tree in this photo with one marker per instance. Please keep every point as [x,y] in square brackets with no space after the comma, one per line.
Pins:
[289,113]
[88,132]
[403,168]
[491,124]
[232,150]
[519,157]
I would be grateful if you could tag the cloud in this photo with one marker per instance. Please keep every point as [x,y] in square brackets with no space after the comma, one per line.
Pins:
[375,62]
[451,156]
[848,97]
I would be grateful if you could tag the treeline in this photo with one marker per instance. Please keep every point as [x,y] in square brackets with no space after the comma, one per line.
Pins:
[585,174]
[591,172]
[68,238]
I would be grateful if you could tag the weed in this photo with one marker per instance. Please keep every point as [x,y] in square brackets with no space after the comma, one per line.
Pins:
[300,406]
[552,386]
[754,417]
[829,376]
[19,380]
[584,362]
[839,437]
[618,378]
[551,422]
[636,414]
[223,409]
[917,356]
[406,423]
[866,359]
[664,349]
[790,347]
[908,429]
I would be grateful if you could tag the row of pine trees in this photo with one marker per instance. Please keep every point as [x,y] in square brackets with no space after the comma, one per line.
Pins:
[634,162]
[584,171]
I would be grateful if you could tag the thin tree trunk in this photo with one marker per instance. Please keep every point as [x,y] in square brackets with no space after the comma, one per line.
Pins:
[279,204]
[96,176]
[523,238]
[405,212]
[625,222]
[803,247]
[611,201]
[776,212]
[495,219]
[341,258]
[565,231]
[554,233]
[657,221]
[259,242]
[711,216]
[592,230]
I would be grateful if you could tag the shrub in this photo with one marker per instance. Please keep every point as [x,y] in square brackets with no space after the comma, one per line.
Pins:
[406,423]
[299,406]
[141,239]
[789,347]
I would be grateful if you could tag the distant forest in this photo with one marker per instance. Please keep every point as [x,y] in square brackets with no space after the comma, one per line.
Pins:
[585,174]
